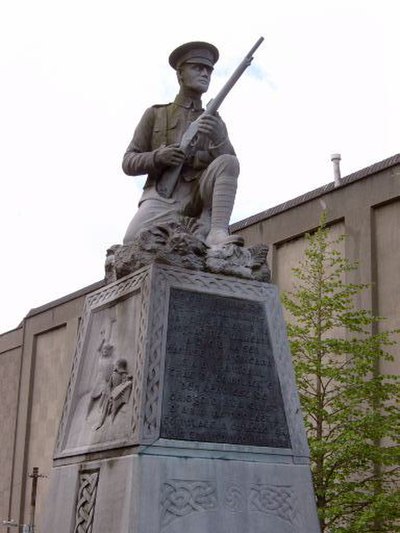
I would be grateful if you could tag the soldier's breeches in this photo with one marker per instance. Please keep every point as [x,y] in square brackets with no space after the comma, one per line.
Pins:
[226,168]
[209,198]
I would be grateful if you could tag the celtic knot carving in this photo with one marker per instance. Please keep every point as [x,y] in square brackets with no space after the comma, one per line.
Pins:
[151,421]
[140,359]
[116,289]
[235,499]
[86,501]
[225,284]
[180,498]
[274,499]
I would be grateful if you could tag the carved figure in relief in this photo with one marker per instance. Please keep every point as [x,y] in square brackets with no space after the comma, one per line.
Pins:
[207,169]
[113,383]
[114,392]
[103,375]
[121,387]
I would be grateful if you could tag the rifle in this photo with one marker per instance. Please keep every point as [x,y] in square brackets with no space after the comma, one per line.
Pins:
[169,178]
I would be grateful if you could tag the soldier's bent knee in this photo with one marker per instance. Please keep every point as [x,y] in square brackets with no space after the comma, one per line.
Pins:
[227,164]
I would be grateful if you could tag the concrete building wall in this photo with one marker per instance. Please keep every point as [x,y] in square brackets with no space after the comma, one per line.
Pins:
[288,254]
[386,241]
[34,373]
[10,364]
[52,355]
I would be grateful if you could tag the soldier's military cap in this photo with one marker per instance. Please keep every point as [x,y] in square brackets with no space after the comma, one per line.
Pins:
[194,52]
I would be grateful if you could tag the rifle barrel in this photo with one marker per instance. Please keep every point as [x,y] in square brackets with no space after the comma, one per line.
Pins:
[260,40]
[215,103]
[168,180]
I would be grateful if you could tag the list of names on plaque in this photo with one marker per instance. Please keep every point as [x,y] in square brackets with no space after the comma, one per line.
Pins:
[221,382]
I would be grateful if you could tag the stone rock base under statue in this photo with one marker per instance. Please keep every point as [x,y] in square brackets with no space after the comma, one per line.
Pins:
[177,244]
[181,413]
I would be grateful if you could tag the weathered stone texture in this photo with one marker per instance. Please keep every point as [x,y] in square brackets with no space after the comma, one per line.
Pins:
[51,373]
[10,362]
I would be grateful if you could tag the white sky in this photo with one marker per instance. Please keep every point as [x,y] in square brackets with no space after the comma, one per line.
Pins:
[76,76]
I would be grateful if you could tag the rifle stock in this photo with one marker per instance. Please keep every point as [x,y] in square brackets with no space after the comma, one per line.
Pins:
[167,182]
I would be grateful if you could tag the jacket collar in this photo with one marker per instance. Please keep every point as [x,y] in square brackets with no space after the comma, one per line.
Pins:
[187,102]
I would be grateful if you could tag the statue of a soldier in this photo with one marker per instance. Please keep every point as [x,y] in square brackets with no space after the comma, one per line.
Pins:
[207,182]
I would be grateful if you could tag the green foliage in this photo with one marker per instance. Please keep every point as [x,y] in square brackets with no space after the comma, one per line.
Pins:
[351,409]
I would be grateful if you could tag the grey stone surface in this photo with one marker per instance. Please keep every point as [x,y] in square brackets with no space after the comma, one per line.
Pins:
[133,457]
[132,316]
[101,406]
[179,244]
[157,494]
[59,513]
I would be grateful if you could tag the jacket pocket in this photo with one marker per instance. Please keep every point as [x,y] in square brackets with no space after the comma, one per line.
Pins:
[165,128]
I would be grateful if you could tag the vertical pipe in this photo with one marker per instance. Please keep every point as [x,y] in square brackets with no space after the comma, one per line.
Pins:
[335,158]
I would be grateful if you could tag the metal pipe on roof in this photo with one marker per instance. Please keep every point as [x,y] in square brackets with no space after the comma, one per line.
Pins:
[335,158]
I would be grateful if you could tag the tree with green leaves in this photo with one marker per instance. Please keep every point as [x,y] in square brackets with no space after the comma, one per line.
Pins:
[351,409]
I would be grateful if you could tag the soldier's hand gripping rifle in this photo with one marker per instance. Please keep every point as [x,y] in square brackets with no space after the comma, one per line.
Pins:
[169,178]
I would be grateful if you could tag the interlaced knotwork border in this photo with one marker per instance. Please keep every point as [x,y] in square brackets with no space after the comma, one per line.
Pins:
[157,333]
[140,358]
[182,497]
[86,501]
[278,500]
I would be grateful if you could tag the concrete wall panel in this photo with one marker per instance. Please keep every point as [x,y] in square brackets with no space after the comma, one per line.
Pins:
[10,362]
[51,373]
[387,263]
[288,255]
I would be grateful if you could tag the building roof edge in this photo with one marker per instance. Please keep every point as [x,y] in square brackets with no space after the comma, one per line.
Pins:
[66,298]
[311,195]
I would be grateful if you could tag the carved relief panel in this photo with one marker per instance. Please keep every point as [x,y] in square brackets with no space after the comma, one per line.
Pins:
[101,408]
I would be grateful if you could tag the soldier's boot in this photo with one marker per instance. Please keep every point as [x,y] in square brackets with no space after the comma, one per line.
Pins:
[222,205]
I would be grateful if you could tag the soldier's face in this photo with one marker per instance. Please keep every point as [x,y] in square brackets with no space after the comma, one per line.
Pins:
[195,76]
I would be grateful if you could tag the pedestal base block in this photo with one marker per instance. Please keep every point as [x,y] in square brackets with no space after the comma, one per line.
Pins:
[161,494]
[181,414]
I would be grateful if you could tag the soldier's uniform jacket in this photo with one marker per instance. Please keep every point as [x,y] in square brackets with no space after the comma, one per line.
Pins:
[162,125]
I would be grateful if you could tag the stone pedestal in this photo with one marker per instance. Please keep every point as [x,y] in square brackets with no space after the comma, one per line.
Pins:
[181,413]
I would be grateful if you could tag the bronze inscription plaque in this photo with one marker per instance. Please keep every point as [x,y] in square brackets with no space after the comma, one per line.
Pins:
[221,382]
